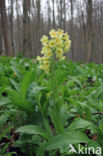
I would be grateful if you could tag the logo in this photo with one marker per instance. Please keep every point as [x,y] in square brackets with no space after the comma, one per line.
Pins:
[84,150]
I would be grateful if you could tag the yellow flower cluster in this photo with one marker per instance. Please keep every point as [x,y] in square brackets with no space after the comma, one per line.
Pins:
[58,44]
[48,95]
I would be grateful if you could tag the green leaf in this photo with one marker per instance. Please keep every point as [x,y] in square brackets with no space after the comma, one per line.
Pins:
[66,138]
[101,127]
[63,114]
[99,91]
[10,154]
[60,77]
[3,119]
[57,122]
[5,131]
[4,148]
[18,101]
[79,124]
[41,151]
[35,140]
[35,88]
[15,84]
[4,101]
[32,129]
[47,127]
[25,83]
[17,71]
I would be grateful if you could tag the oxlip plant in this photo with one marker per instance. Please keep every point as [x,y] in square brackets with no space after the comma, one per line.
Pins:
[54,135]
[53,51]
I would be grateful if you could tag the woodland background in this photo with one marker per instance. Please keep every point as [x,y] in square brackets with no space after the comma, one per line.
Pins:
[23,22]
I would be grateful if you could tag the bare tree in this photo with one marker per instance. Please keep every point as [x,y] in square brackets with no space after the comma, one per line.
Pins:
[26,7]
[89,29]
[53,3]
[83,20]
[64,17]
[1,43]
[49,14]
[72,31]
[61,14]
[5,28]
[11,26]
[18,29]
[38,24]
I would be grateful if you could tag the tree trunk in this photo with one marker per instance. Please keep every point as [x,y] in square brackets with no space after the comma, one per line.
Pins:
[53,14]
[18,45]
[11,27]
[89,29]
[64,18]
[49,15]
[1,44]
[38,4]
[58,10]
[5,28]
[61,14]
[72,31]
[26,7]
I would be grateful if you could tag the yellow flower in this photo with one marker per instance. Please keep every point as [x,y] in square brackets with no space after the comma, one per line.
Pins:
[44,39]
[53,33]
[66,49]
[41,66]
[52,43]
[45,59]
[39,59]
[48,95]
[58,39]
[46,64]
[67,43]
[66,36]
[60,32]
[58,44]
[47,47]
[59,51]
[44,50]
[45,67]
[61,58]
[49,53]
